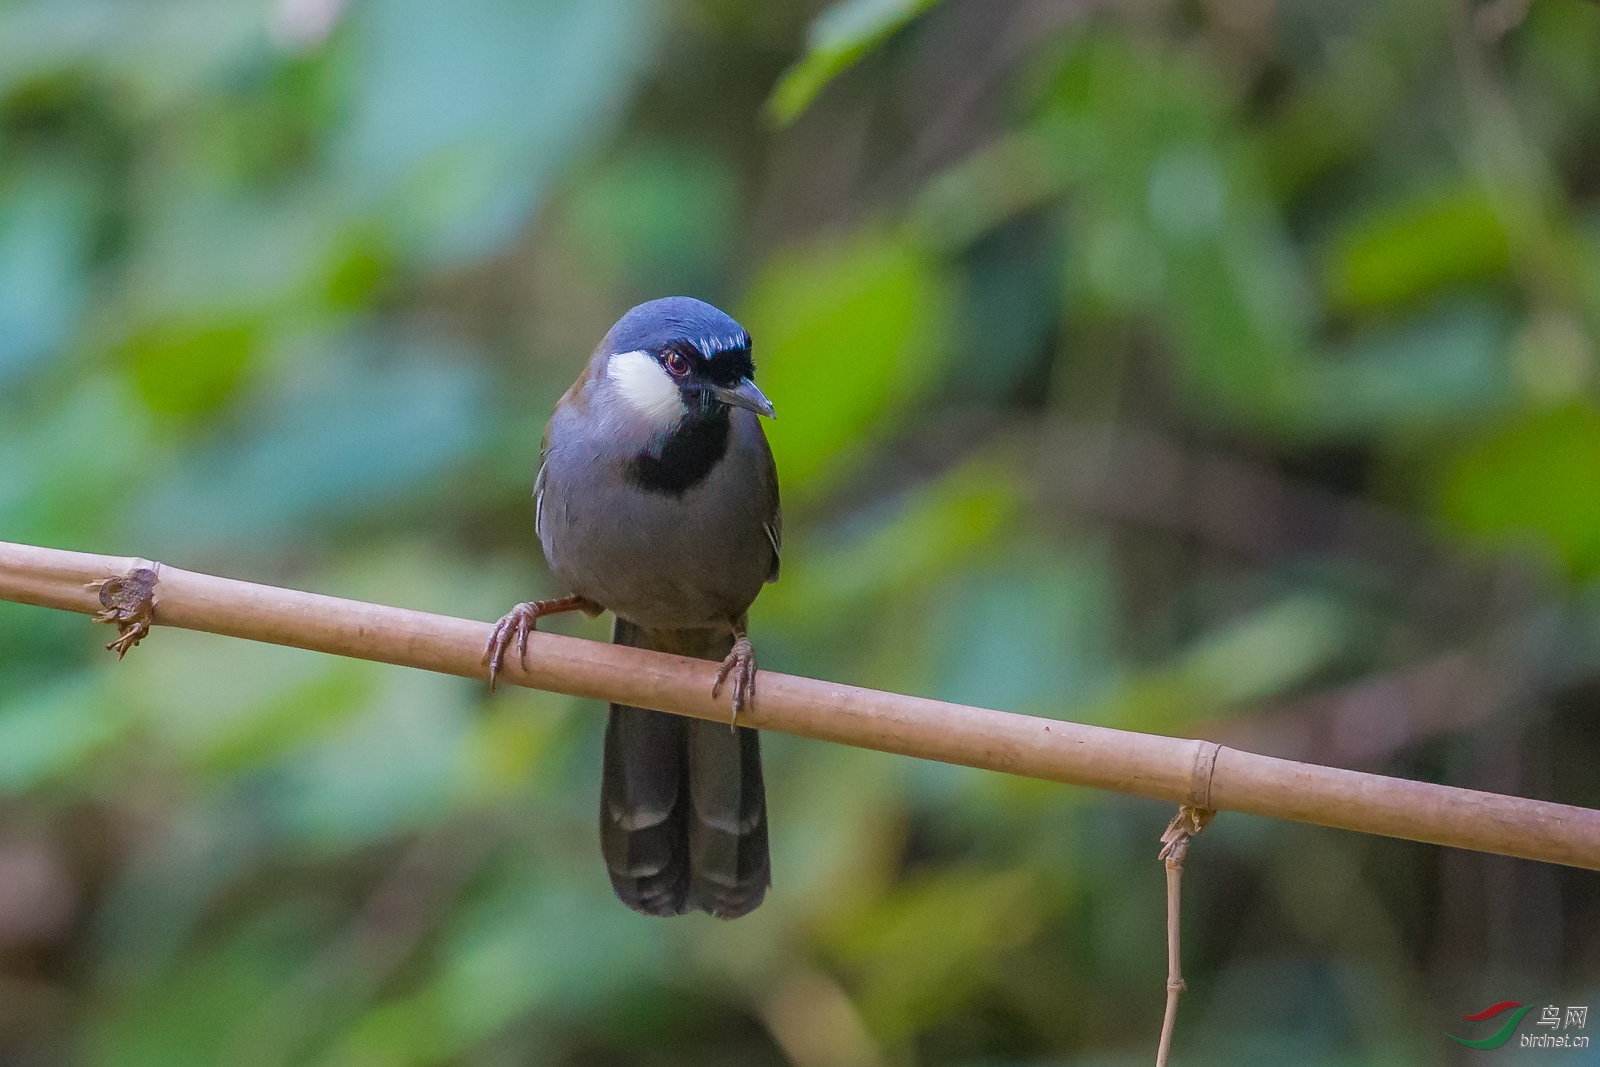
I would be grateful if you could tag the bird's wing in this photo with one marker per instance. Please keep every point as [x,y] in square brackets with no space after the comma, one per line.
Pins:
[774,524]
[538,487]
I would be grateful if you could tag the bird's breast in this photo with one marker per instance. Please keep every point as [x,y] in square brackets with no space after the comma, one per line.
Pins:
[672,541]
[683,459]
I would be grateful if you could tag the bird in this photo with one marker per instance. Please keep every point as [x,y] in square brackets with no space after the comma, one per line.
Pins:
[657,499]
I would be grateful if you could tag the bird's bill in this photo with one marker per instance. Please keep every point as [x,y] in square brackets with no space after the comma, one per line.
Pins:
[745,395]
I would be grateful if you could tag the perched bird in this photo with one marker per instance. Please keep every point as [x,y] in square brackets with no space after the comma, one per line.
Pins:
[657,499]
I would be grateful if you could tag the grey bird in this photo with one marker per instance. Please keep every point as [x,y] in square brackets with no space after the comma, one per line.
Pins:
[657,499]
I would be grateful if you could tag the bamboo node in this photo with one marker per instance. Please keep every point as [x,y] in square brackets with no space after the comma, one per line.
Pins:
[1200,775]
[128,602]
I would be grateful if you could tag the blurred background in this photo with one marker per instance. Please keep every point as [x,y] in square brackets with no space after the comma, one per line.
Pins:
[1223,368]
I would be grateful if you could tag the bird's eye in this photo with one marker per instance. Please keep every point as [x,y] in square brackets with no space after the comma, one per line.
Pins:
[677,364]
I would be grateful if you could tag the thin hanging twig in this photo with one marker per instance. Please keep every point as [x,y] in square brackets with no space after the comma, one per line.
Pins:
[1198,773]
[1174,847]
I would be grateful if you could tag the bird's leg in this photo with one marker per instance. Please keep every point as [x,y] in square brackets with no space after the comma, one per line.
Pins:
[741,664]
[522,620]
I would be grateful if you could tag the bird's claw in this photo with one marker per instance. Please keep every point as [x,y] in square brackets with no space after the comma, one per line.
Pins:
[128,602]
[519,622]
[514,625]
[741,665]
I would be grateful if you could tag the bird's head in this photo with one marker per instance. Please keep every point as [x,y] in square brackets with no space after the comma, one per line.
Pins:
[678,356]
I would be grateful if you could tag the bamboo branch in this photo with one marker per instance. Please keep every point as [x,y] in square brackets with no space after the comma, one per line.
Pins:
[1200,774]
[1184,827]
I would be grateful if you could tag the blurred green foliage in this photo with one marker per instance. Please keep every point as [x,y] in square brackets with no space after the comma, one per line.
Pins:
[1223,368]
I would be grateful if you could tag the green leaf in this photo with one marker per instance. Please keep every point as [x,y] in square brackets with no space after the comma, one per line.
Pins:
[918,540]
[53,732]
[461,115]
[44,246]
[1535,483]
[930,947]
[1443,238]
[839,38]
[288,719]
[373,420]
[155,51]
[199,1014]
[385,771]
[658,219]
[1263,655]
[1033,634]
[188,370]
[845,335]
[1268,652]
[1442,367]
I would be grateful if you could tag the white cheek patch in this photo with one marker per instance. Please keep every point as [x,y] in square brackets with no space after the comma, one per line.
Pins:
[647,387]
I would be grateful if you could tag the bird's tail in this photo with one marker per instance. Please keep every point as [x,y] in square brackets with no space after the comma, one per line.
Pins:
[683,812]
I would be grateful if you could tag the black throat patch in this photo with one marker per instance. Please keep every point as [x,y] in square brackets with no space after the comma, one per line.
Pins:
[687,456]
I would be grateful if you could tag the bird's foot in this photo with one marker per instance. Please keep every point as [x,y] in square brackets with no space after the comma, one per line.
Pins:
[519,622]
[741,666]
[129,603]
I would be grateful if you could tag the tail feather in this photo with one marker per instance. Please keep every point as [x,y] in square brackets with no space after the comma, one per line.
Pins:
[642,804]
[683,819]
[728,827]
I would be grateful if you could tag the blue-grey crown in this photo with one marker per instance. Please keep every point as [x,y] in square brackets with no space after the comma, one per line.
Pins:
[658,324]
